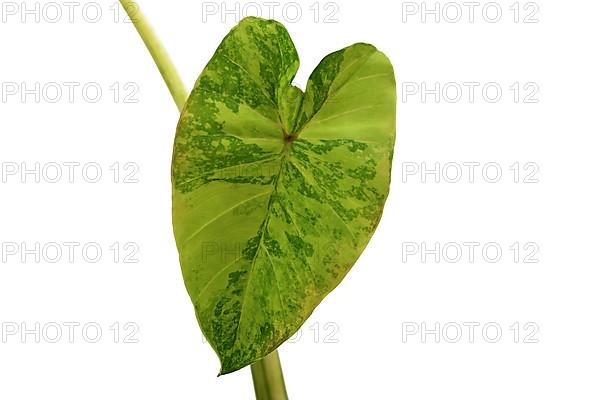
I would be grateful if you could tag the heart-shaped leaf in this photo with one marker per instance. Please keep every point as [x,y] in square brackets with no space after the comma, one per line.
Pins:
[276,192]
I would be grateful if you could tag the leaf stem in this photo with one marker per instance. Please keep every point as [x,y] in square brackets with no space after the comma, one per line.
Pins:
[268,378]
[158,53]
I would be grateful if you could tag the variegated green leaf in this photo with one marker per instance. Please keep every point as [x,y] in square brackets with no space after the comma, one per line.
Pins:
[276,192]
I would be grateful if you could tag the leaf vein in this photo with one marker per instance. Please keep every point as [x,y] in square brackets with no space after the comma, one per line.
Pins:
[218,216]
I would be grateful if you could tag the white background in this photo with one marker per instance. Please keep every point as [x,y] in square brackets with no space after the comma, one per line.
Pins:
[360,353]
